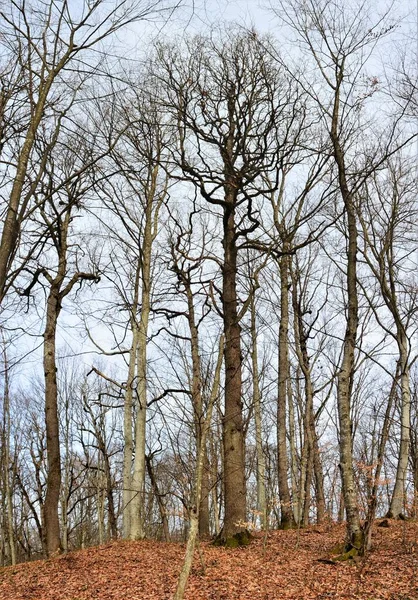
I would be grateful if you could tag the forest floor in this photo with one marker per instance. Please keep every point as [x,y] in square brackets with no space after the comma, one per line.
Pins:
[282,566]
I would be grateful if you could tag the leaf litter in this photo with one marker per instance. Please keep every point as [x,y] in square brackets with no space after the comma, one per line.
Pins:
[284,565]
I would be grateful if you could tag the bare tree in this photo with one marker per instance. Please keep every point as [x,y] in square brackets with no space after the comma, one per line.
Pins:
[339,42]
[56,212]
[230,105]
[133,198]
[387,212]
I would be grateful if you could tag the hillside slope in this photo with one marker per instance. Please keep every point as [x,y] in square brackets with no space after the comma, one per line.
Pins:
[285,566]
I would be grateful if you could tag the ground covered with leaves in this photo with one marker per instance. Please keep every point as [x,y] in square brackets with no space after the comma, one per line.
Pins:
[283,565]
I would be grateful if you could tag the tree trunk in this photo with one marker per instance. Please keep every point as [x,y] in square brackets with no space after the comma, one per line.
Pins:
[296,487]
[158,496]
[372,500]
[113,526]
[6,440]
[397,504]
[346,372]
[261,466]
[319,482]
[344,389]
[194,510]
[307,491]
[233,433]
[204,516]
[52,526]
[127,419]
[138,478]
[197,406]
[100,499]
[286,519]
[214,483]
[309,447]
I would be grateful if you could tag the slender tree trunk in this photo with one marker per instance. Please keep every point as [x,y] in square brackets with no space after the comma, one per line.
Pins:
[261,466]
[113,526]
[346,372]
[194,510]
[138,478]
[158,496]
[127,417]
[197,406]
[415,478]
[64,513]
[384,436]
[6,436]
[319,482]
[308,417]
[302,480]
[65,490]
[52,526]
[397,504]
[286,519]
[294,479]
[214,484]
[308,485]
[345,383]
[204,515]
[100,499]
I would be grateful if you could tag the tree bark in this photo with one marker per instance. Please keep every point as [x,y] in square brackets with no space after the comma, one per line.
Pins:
[57,292]
[233,433]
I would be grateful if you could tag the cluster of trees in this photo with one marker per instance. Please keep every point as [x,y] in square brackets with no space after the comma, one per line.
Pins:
[225,237]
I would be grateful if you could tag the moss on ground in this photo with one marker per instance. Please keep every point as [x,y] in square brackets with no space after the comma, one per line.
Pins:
[241,538]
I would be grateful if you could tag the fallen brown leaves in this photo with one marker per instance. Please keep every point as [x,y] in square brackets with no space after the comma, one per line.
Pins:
[285,568]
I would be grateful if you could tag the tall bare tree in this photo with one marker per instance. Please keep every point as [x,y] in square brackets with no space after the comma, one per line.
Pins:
[230,105]
[339,42]
[56,213]
[386,213]
[133,198]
